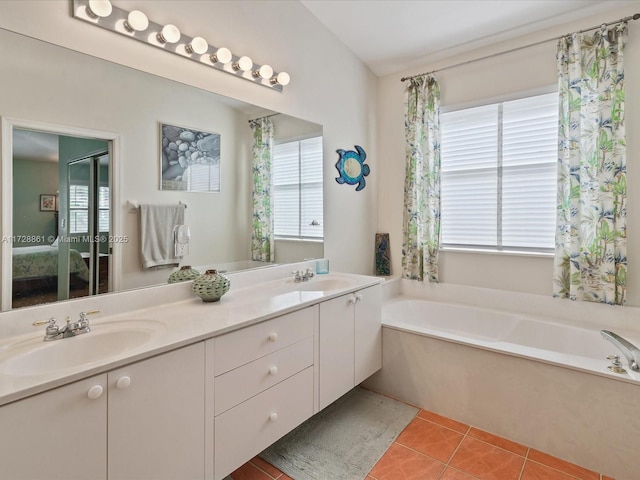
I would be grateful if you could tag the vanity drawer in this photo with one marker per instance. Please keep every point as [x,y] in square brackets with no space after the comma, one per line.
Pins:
[246,430]
[244,382]
[247,344]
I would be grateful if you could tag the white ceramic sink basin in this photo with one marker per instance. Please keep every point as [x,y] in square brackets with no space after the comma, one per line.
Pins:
[105,341]
[316,284]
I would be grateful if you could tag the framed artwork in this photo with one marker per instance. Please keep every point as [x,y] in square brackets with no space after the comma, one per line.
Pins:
[189,159]
[47,203]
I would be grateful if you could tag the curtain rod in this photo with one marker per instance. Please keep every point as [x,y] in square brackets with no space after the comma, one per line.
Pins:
[631,17]
[266,116]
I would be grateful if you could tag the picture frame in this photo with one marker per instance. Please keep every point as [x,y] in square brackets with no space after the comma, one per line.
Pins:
[189,159]
[47,203]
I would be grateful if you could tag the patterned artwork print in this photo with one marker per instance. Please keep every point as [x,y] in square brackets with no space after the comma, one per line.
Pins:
[421,216]
[591,233]
[262,244]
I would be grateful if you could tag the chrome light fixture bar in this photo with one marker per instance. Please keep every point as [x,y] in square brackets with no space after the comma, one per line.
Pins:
[136,25]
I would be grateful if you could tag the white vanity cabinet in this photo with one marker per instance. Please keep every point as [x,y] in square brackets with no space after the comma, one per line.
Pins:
[202,410]
[57,435]
[263,384]
[142,421]
[349,341]
[156,417]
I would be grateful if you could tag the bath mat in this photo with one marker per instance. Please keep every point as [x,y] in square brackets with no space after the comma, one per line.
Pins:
[344,441]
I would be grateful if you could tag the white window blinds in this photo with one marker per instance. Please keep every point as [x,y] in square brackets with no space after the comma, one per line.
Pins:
[498,175]
[78,209]
[104,203]
[297,189]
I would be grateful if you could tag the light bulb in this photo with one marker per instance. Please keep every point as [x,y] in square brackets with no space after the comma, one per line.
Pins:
[99,8]
[265,71]
[243,63]
[282,78]
[136,21]
[222,55]
[198,45]
[169,34]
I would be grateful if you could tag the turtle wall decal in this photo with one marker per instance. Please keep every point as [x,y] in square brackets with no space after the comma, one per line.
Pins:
[351,167]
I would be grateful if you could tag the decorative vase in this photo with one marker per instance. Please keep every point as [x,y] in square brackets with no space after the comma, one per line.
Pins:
[211,286]
[185,274]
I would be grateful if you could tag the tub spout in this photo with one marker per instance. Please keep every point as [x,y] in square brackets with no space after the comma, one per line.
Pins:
[628,349]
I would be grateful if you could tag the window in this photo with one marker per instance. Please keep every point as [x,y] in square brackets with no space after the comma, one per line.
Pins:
[79,209]
[498,175]
[297,189]
[103,209]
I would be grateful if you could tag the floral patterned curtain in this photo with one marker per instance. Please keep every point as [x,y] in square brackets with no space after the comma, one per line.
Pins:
[262,233]
[421,220]
[591,254]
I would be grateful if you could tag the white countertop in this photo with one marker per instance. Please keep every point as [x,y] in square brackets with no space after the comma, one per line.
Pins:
[181,323]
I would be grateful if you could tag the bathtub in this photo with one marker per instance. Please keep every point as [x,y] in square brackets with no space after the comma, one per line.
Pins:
[539,382]
[509,333]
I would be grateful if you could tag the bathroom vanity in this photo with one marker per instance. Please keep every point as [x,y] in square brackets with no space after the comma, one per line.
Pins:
[194,390]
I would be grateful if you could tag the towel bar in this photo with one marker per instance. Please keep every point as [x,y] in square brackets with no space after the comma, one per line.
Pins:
[133,206]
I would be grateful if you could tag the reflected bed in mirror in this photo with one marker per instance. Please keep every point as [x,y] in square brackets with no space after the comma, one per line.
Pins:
[56,87]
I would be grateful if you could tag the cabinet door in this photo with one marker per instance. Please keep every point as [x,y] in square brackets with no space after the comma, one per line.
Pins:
[57,435]
[156,417]
[336,348]
[368,333]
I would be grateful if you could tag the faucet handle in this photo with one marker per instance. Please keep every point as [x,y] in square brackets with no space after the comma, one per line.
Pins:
[52,328]
[84,315]
[39,323]
[616,364]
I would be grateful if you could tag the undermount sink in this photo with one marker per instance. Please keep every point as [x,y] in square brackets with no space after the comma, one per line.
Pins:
[105,341]
[324,284]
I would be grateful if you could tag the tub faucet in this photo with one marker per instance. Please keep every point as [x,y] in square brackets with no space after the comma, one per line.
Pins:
[628,349]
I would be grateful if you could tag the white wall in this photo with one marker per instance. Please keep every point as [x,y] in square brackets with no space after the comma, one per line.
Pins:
[329,85]
[526,70]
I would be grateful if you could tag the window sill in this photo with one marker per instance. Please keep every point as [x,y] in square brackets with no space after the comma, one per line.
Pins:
[304,240]
[514,253]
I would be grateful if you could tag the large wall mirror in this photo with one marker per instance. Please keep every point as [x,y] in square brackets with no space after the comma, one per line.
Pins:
[85,134]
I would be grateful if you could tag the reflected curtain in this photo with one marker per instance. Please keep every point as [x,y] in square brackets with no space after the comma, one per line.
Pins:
[591,256]
[421,216]
[262,245]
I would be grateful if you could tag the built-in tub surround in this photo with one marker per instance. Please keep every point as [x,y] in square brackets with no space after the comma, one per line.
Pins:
[164,318]
[526,367]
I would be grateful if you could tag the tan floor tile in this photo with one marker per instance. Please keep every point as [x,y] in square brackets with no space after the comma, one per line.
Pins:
[486,462]
[266,467]
[249,472]
[498,441]
[400,463]
[453,474]
[537,471]
[433,440]
[444,421]
[562,465]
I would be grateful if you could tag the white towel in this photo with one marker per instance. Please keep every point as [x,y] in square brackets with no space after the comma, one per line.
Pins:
[156,234]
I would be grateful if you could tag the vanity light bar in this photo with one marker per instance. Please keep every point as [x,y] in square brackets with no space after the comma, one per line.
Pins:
[136,25]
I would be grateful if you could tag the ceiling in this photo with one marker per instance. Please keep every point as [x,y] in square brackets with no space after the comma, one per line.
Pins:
[390,36]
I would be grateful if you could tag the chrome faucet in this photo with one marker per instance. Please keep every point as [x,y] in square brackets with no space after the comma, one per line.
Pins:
[71,329]
[628,349]
[300,276]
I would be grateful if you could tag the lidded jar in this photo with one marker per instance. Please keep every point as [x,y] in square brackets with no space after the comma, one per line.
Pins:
[185,274]
[211,286]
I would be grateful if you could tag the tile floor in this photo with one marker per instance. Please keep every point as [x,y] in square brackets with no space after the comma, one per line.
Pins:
[433,447]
